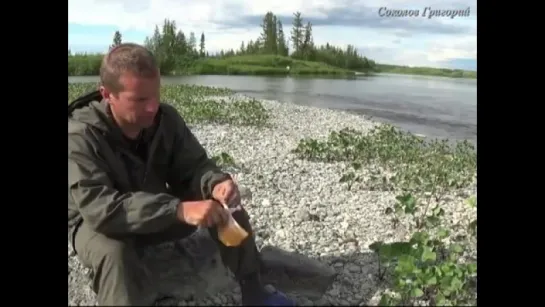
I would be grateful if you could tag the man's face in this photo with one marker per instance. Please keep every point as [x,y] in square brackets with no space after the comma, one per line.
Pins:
[138,102]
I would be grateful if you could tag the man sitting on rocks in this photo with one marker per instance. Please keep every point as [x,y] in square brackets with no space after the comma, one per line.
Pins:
[138,176]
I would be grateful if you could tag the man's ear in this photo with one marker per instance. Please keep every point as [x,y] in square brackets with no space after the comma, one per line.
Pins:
[104,92]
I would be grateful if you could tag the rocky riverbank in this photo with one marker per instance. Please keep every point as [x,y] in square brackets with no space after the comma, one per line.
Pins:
[300,205]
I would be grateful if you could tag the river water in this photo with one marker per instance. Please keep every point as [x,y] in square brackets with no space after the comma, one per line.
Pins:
[430,106]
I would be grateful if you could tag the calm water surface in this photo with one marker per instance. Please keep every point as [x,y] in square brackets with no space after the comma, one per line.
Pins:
[432,106]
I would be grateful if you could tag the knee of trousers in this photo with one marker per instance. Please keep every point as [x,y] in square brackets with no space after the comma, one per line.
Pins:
[100,252]
[119,274]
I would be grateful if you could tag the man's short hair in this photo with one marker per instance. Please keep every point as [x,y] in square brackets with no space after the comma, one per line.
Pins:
[126,57]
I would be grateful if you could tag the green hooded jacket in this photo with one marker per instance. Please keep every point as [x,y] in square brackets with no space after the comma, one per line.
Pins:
[116,192]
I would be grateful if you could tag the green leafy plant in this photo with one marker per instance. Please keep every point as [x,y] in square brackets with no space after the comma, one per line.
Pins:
[431,266]
[224,160]
[395,160]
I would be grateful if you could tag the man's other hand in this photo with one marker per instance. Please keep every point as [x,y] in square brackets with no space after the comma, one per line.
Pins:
[226,192]
[205,213]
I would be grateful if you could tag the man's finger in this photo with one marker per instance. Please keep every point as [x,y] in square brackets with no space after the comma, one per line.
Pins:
[221,190]
[230,193]
[221,195]
[229,197]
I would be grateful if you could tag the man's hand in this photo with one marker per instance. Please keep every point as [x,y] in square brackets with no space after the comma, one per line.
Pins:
[205,213]
[226,192]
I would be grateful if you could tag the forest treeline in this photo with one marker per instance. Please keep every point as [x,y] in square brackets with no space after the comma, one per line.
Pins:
[273,52]
[177,52]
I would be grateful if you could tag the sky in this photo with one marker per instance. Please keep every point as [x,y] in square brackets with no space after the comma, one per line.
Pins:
[372,26]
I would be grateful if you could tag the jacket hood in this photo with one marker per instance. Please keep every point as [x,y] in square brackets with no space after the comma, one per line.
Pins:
[91,109]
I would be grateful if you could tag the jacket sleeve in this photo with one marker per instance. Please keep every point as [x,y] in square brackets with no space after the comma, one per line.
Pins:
[104,208]
[190,165]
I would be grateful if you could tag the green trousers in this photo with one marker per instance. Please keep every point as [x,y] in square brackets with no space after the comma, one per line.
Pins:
[120,276]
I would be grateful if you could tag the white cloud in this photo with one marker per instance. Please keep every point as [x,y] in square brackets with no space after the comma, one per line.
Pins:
[216,41]
[401,45]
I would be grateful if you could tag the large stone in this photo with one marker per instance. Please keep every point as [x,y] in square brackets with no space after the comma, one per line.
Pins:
[293,272]
[189,269]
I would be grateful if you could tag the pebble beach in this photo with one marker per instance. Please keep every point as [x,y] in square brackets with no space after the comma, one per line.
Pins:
[299,206]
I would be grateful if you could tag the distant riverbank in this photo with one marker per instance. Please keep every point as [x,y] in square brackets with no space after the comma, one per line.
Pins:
[252,65]
[426,71]
[266,65]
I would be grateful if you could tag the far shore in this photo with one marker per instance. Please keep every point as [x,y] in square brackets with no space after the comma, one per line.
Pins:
[312,75]
[269,65]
